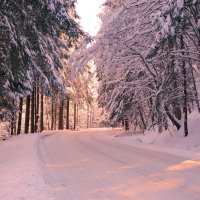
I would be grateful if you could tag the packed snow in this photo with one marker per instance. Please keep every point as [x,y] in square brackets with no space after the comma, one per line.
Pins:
[20,170]
[169,140]
[101,164]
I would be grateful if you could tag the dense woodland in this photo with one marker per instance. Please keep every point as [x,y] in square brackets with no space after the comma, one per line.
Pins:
[146,54]
[38,88]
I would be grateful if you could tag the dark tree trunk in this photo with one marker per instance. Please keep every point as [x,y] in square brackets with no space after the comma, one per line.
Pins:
[55,115]
[20,116]
[151,110]
[172,118]
[37,105]
[75,116]
[52,114]
[12,124]
[41,112]
[185,92]
[15,124]
[33,111]
[142,119]
[27,116]
[60,119]
[176,107]
[177,111]
[123,123]
[185,105]
[67,115]
[126,124]
[195,91]
[189,109]
[88,116]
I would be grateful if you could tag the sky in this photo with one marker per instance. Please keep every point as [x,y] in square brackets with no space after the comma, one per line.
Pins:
[87,10]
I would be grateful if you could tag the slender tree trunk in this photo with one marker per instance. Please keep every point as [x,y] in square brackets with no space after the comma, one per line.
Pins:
[185,100]
[151,110]
[37,105]
[60,119]
[172,118]
[75,116]
[185,92]
[27,116]
[189,108]
[67,115]
[20,116]
[126,124]
[92,116]
[123,122]
[33,111]
[55,115]
[88,116]
[142,119]
[52,114]
[15,123]
[12,123]
[195,91]
[41,112]
[176,107]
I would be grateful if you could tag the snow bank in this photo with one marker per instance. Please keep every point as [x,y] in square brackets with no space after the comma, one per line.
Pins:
[20,170]
[170,141]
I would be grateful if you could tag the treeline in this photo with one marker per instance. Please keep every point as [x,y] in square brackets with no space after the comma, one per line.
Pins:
[147,55]
[34,111]
[38,112]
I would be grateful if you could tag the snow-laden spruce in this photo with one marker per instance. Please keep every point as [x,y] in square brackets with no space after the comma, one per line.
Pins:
[30,41]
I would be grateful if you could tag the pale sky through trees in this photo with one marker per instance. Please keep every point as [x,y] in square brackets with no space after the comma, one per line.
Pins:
[88,10]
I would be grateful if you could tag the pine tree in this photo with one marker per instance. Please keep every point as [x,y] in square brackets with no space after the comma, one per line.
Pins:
[31,46]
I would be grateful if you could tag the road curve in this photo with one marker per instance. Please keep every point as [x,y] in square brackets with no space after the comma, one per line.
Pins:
[89,166]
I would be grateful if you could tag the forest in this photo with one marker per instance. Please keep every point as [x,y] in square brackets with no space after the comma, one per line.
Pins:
[147,61]
[145,58]
[107,116]
[39,90]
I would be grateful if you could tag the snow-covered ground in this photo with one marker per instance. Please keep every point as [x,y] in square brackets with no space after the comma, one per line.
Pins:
[20,170]
[169,141]
[94,165]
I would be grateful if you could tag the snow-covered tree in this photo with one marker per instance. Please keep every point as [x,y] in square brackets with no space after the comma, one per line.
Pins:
[30,45]
[145,53]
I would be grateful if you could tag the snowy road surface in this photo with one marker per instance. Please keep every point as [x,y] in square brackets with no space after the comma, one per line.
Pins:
[91,166]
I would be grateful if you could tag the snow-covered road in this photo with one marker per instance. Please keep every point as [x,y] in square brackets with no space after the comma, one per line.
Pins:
[92,166]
